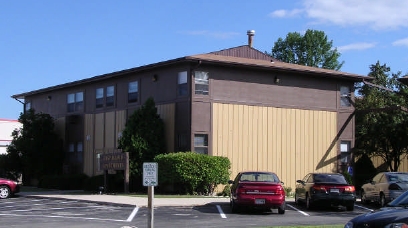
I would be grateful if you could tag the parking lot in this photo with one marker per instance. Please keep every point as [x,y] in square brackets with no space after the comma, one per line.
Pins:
[49,212]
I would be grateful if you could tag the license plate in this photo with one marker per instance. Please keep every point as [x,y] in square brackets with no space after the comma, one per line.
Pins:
[259,201]
[334,190]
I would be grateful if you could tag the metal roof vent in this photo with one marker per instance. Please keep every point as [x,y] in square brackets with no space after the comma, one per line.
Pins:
[250,34]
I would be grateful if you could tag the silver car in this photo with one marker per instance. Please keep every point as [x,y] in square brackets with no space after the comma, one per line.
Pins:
[384,187]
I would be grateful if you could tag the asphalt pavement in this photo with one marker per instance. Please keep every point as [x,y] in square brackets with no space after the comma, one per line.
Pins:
[128,199]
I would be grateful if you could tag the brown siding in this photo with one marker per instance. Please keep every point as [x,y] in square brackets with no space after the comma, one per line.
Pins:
[89,155]
[290,142]
[167,114]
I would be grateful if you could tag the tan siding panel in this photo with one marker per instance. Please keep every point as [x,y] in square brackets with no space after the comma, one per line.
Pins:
[99,131]
[120,124]
[110,138]
[290,142]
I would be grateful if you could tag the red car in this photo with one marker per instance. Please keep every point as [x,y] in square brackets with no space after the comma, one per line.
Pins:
[258,190]
[8,188]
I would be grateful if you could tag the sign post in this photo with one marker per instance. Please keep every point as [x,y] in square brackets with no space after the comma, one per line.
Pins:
[150,180]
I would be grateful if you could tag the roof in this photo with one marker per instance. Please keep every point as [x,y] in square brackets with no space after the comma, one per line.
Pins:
[404,80]
[241,56]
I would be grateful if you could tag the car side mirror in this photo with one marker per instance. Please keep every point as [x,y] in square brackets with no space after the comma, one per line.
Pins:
[230,182]
[300,182]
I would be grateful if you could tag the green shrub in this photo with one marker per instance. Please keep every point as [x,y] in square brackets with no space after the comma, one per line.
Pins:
[288,191]
[226,191]
[191,173]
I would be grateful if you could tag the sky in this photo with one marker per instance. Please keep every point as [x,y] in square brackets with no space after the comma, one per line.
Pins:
[50,42]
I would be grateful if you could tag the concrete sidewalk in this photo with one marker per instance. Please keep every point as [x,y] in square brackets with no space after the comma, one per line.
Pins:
[125,200]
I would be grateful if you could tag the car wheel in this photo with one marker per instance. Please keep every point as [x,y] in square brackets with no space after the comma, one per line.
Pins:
[309,204]
[382,200]
[234,207]
[350,207]
[363,197]
[4,192]
[296,200]
[281,209]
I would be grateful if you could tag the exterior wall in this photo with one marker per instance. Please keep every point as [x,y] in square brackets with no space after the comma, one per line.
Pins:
[378,163]
[290,142]
[292,127]
[103,130]
[6,129]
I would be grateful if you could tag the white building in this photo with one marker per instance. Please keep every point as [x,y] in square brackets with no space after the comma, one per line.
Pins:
[6,129]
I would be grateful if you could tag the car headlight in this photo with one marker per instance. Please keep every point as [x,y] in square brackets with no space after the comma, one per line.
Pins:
[396,225]
[15,182]
[348,225]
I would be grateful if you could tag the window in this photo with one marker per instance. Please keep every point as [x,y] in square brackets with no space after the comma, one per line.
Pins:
[182,83]
[133,92]
[79,157]
[99,97]
[75,102]
[27,106]
[110,96]
[345,96]
[75,152]
[345,152]
[201,82]
[201,143]
[107,101]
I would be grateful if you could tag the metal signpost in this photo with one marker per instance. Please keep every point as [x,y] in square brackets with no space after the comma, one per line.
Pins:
[150,180]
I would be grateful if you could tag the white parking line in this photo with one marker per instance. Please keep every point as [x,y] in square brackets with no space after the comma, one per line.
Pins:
[294,208]
[221,212]
[67,217]
[133,214]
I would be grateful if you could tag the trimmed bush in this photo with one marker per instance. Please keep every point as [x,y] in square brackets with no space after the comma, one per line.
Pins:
[191,173]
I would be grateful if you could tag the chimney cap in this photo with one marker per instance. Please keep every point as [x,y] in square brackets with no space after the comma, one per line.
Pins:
[251,32]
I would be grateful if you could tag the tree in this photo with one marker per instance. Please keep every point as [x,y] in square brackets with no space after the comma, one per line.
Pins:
[36,149]
[143,137]
[312,49]
[381,123]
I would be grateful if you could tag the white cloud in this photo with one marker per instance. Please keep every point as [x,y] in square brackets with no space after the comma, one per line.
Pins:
[356,46]
[285,13]
[376,14]
[401,42]
[213,34]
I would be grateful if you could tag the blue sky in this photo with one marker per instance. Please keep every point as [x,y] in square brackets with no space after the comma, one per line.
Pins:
[50,42]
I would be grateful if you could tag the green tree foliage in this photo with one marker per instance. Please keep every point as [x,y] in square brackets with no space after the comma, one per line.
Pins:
[312,49]
[381,125]
[143,137]
[36,149]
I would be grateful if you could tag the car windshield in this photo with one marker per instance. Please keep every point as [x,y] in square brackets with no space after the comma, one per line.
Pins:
[400,201]
[329,178]
[264,177]
[398,177]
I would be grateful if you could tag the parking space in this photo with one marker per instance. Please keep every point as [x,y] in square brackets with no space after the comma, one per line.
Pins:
[44,209]
[41,211]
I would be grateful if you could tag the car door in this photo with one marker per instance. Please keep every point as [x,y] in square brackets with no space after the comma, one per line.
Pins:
[381,186]
[301,188]
[377,186]
[370,188]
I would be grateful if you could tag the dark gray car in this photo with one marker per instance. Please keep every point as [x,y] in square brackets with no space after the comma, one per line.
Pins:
[384,187]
